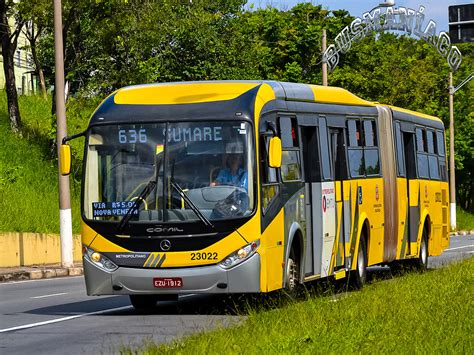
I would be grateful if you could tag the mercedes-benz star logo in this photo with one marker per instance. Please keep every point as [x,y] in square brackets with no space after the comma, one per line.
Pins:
[165,245]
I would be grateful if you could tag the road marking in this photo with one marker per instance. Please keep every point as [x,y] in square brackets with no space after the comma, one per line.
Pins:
[466,246]
[52,321]
[50,279]
[52,295]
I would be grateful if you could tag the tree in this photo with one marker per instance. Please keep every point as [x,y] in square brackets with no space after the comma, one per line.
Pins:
[9,38]
[37,14]
[109,44]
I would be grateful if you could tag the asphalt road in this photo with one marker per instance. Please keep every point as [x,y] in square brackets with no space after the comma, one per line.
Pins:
[55,316]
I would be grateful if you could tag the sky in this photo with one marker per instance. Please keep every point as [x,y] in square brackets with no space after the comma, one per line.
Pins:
[436,10]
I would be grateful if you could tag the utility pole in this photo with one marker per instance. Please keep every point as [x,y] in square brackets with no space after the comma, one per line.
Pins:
[65,218]
[452,177]
[325,64]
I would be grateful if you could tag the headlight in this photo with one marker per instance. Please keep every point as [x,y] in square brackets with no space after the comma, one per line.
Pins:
[240,255]
[99,260]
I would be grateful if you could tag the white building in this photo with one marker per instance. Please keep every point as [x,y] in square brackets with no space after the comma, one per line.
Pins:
[25,78]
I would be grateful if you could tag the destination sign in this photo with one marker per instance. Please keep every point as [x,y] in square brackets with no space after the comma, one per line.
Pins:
[194,134]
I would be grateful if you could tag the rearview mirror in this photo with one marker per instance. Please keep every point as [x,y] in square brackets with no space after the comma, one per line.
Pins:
[65,159]
[274,153]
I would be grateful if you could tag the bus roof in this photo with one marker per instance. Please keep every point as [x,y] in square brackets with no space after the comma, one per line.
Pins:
[179,93]
[414,113]
[209,91]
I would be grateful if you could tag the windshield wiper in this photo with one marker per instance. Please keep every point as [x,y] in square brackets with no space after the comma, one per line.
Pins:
[191,204]
[143,195]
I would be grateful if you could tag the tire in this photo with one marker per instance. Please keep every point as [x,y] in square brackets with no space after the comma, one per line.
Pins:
[398,267]
[292,275]
[421,262]
[358,277]
[143,302]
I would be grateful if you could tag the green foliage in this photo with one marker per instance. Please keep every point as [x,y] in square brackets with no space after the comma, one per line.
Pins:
[28,173]
[416,313]
[464,220]
[464,154]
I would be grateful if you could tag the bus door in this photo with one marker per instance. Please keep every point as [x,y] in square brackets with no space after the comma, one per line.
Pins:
[312,176]
[412,195]
[327,209]
[320,199]
[339,171]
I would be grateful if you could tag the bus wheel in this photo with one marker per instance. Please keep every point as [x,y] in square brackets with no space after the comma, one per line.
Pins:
[143,302]
[421,262]
[358,277]
[292,274]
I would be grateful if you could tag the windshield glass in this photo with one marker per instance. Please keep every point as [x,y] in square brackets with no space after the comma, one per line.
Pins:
[210,162]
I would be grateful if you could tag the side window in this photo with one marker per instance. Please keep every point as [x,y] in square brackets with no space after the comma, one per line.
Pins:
[356,163]
[440,143]
[363,147]
[432,154]
[290,165]
[421,145]
[270,185]
[400,152]
[371,152]
[355,134]
[355,150]
[290,160]
[288,132]
[441,156]
[421,153]
[370,134]
[434,167]
[429,140]
[324,149]
[338,154]
[311,161]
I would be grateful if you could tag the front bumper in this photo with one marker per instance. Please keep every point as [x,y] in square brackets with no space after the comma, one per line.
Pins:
[243,278]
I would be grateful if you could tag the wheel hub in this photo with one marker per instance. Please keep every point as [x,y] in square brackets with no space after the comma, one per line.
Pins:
[423,252]
[361,263]
[291,272]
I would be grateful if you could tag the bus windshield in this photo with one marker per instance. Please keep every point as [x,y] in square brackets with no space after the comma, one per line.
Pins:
[143,170]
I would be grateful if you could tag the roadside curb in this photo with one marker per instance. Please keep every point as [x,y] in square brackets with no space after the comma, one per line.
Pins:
[461,233]
[36,274]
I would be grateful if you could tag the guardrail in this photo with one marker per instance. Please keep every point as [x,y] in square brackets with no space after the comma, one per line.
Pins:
[26,249]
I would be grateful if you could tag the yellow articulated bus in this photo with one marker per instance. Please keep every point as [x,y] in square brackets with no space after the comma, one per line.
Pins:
[246,187]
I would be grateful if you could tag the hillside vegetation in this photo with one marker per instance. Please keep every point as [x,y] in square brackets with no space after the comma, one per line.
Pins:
[28,169]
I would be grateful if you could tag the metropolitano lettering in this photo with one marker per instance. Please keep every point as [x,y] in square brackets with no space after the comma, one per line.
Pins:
[401,19]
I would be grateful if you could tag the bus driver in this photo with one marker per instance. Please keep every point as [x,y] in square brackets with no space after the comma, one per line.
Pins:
[233,174]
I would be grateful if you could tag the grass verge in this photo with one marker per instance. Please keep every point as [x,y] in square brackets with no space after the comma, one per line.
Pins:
[464,220]
[415,313]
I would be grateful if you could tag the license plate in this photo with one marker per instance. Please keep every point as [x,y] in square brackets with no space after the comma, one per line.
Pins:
[168,282]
